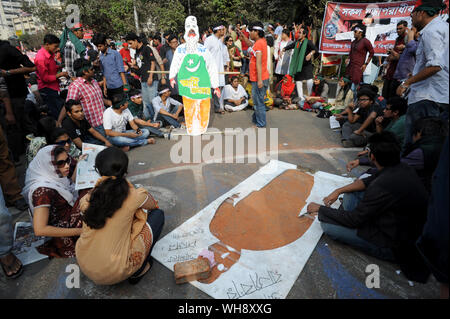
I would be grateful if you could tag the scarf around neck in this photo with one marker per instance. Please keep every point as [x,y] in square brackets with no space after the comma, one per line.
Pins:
[298,57]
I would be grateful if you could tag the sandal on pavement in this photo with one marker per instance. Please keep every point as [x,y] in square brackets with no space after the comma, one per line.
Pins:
[8,268]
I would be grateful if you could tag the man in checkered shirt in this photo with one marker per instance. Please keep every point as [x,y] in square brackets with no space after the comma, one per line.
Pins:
[87,90]
[70,54]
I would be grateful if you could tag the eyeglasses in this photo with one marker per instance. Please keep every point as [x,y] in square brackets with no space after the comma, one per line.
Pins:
[362,100]
[63,163]
[64,142]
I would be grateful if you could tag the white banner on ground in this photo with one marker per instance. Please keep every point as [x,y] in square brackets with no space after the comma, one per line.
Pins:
[257,274]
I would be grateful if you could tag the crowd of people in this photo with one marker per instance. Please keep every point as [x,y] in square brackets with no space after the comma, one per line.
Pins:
[120,96]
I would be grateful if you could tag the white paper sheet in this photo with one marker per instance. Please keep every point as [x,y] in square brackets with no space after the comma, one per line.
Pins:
[334,124]
[25,242]
[267,274]
[86,174]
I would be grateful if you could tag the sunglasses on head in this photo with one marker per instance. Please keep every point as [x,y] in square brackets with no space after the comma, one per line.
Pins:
[64,142]
[62,163]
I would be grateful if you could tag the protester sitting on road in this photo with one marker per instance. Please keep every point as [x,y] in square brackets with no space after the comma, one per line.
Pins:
[78,128]
[344,96]
[387,221]
[319,95]
[379,99]
[394,115]
[120,225]
[361,121]
[52,199]
[167,110]
[136,107]
[422,155]
[44,128]
[51,135]
[235,98]
[286,94]
[115,120]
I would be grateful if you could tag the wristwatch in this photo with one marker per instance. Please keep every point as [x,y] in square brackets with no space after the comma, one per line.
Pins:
[403,85]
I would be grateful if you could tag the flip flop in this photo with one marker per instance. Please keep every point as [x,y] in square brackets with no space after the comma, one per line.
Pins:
[16,274]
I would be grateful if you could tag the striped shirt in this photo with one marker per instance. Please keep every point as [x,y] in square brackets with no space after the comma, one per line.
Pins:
[91,97]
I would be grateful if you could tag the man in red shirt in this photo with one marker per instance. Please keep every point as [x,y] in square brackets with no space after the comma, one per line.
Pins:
[47,76]
[357,57]
[259,74]
[245,46]
[125,53]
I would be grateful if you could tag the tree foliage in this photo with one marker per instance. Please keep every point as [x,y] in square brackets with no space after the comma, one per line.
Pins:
[116,17]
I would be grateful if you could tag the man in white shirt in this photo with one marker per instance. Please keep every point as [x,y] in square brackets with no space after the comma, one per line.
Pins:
[220,54]
[167,110]
[428,96]
[115,120]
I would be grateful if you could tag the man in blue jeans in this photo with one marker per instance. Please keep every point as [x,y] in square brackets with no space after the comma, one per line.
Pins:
[144,62]
[115,120]
[259,74]
[11,265]
[387,221]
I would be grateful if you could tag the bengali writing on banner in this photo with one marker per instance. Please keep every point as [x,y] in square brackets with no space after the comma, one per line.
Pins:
[339,18]
[330,59]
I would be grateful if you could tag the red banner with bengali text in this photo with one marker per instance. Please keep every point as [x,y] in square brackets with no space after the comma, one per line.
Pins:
[339,18]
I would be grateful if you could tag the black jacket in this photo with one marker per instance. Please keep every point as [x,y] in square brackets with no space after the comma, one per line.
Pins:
[392,212]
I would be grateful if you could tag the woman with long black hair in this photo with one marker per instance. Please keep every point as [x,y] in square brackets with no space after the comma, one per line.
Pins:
[120,224]
[319,95]
[344,95]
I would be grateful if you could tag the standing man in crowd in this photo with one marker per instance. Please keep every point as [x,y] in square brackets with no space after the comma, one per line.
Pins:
[157,42]
[407,60]
[390,85]
[87,90]
[428,96]
[114,81]
[48,75]
[144,62]
[74,48]
[216,47]
[245,47]
[259,74]
[13,66]
[301,67]
[357,62]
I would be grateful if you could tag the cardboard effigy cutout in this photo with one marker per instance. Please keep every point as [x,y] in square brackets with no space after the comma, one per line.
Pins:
[196,73]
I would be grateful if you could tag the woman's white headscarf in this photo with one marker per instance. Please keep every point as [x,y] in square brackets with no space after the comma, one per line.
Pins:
[42,172]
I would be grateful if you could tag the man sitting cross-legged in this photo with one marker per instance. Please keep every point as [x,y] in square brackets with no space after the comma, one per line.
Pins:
[389,218]
[78,128]
[115,120]
[136,107]
[167,110]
